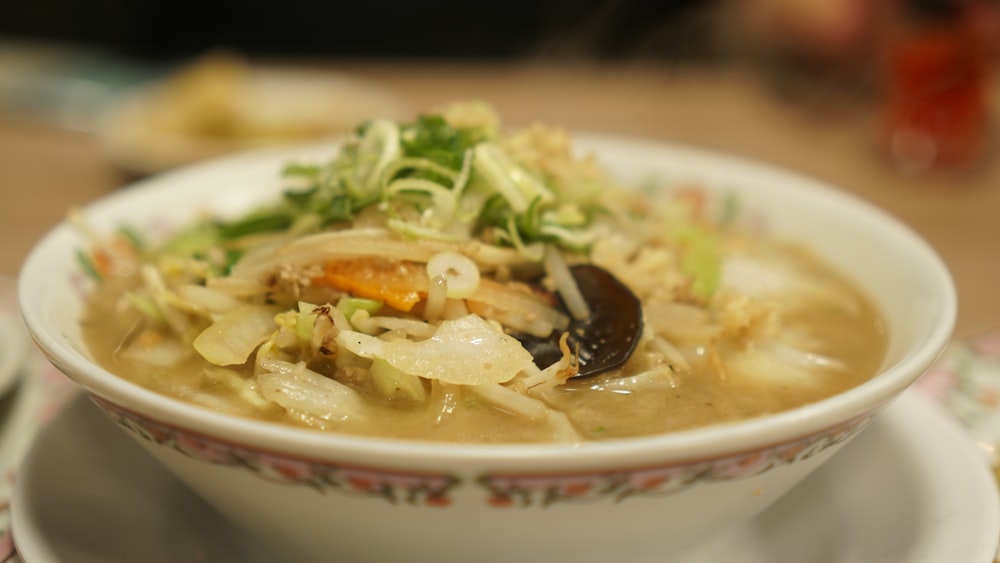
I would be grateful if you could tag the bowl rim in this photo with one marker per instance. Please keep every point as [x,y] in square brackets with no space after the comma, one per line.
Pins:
[718,440]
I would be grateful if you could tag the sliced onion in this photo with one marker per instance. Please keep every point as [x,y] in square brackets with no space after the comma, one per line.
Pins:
[231,339]
[465,351]
[303,390]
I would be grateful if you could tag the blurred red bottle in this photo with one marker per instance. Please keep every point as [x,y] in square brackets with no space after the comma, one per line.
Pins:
[936,112]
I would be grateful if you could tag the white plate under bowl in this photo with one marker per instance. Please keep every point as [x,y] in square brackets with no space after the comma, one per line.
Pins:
[86,493]
[912,489]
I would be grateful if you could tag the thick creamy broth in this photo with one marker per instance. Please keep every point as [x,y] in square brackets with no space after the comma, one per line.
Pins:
[603,407]
[448,280]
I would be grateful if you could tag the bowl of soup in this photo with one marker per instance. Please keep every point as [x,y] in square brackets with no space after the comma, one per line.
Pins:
[447,340]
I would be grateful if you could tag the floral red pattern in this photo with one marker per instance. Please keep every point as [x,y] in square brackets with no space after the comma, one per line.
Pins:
[502,490]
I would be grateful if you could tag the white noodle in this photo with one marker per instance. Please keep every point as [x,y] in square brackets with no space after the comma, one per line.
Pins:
[362,322]
[517,321]
[454,309]
[411,327]
[159,293]
[236,287]
[535,378]
[671,353]
[511,400]
[521,311]
[562,429]
[339,319]
[490,256]
[661,377]
[208,299]
[330,246]
[555,266]
[437,293]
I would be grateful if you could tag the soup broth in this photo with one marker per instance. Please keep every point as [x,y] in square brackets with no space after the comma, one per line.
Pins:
[400,316]
[607,406]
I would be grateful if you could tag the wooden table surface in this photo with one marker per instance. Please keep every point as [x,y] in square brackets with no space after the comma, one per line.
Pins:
[44,170]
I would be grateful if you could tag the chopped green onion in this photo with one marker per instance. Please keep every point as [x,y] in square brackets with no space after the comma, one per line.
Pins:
[88,266]
[146,306]
[701,259]
[349,305]
[133,236]
[395,384]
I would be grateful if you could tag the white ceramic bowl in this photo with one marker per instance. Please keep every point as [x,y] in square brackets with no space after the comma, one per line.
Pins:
[329,497]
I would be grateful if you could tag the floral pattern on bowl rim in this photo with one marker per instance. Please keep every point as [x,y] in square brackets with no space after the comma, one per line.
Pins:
[502,490]
[966,382]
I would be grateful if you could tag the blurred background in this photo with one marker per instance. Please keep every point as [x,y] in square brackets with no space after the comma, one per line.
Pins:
[161,30]
[893,100]
[833,44]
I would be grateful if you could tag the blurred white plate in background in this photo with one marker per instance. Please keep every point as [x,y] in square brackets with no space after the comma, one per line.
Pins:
[219,104]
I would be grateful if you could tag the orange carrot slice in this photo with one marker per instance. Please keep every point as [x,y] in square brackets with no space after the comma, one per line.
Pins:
[401,285]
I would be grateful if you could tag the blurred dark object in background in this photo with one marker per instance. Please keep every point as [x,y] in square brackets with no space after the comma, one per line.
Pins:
[62,61]
[430,29]
[831,58]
